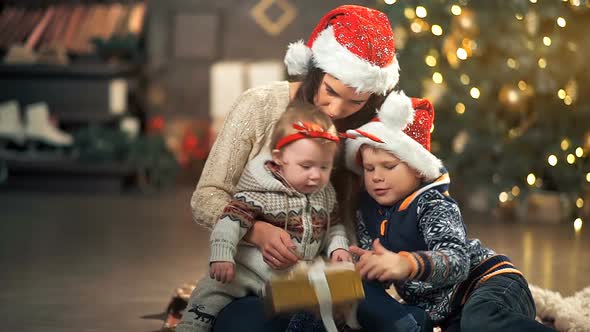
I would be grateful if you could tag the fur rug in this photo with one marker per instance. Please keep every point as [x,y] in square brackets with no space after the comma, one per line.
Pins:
[571,314]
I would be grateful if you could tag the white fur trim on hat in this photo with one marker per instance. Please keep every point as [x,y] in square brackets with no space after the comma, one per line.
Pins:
[297,58]
[396,142]
[397,111]
[338,61]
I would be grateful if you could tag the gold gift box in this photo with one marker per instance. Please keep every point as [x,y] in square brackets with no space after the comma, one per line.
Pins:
[294,291]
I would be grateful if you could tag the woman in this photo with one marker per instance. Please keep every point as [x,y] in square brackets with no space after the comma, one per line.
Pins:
[346,69]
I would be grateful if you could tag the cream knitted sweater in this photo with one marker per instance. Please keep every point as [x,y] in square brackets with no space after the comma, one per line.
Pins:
[246,131]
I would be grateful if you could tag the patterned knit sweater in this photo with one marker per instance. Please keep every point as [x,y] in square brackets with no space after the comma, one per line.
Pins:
[245,133]
[263,194]
[427,227]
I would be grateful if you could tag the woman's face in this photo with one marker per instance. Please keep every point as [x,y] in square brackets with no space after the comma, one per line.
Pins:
[338,100]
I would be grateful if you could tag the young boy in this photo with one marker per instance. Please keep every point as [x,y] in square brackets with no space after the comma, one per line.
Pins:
[418,237]
[289,188]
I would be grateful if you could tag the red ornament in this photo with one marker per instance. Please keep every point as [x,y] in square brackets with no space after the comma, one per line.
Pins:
[156,125]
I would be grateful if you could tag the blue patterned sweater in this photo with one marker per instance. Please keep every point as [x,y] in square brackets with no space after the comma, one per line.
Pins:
[428,228]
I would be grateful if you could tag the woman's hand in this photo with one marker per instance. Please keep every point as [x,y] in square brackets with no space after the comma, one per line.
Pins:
[222,271]
[340,255]
[278,250]
[381,264]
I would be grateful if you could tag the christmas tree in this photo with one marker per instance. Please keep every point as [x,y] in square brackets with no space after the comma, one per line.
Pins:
[507,78]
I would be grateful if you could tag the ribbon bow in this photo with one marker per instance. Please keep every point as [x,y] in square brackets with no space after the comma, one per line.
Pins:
[306,130]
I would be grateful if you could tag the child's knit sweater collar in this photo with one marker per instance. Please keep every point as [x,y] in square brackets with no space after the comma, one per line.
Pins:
[441,184]
[262,174]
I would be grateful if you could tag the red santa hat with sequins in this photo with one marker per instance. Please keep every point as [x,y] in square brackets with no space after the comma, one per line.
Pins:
[355,44]
[402,127]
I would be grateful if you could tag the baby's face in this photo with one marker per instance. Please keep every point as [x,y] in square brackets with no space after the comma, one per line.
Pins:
[387,179]
[307,163]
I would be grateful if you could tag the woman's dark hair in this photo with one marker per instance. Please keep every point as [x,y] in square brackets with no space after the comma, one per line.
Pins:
[309,88]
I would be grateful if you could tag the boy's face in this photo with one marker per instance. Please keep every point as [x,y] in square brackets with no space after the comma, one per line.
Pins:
[306,164]
[387,179]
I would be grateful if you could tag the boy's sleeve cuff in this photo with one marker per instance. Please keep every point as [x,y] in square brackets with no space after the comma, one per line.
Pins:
[413,263]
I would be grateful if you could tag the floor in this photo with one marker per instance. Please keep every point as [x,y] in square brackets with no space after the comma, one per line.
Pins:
[110,262]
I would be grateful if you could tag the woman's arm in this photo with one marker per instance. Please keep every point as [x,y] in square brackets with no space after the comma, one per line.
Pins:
[244,126]
[278,250]
[226,161]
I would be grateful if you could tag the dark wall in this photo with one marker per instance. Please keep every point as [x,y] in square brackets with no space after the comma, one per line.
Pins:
[186,36]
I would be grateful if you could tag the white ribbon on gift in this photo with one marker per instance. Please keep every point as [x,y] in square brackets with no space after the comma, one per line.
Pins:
[317,277]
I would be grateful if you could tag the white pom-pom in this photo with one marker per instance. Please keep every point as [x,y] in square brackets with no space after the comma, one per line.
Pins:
[297,58]
[397,111]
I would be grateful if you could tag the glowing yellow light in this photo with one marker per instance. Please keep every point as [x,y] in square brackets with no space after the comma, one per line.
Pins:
[416,27]
[515,191]
[461,53]
[542,63]
[511,63]
[571,159]
[409,13]
[456,10]
[567,100]
[460,108]
[561,22]
[533,1]
[503,197]
[390,2]
[465,79]
[565,144]
[575,2]
[579,152]
[547,41]
[432,129]
[474,92]
[513,133]
[580,202]
[588,177]
[519,17]
[437,78]
[430,60]
[531,179]
[552,160]
[561,93]
[436,30]
[578,224]
[421,12]
[522,85]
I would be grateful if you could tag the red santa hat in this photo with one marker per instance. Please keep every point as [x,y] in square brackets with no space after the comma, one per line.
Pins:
[402,127]
[352,43]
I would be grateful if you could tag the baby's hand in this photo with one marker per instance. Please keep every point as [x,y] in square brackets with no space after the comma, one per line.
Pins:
[222,271]
[340,255]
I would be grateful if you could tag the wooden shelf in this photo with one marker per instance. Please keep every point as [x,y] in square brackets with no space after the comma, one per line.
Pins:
[72,71]
[24,162]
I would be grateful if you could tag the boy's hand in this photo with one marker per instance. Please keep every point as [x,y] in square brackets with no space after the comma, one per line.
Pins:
[381,264]
[222,271]
[340,255]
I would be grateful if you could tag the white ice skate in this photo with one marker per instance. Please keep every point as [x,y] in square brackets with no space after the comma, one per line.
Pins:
[11,126]
[39,129]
